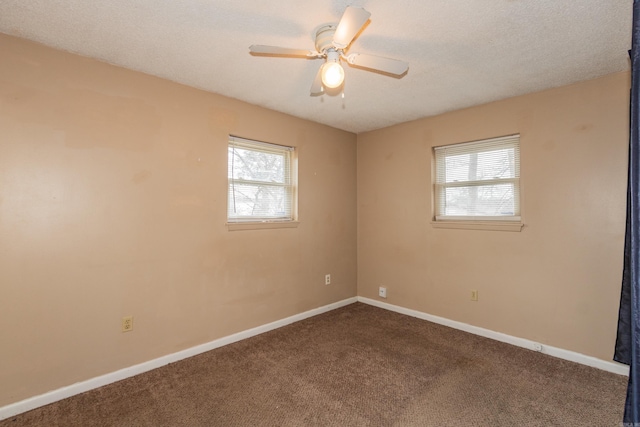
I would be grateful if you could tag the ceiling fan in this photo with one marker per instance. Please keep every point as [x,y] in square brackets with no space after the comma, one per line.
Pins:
[331,43]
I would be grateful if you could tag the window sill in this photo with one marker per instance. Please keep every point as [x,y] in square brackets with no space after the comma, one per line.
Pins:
[480,225]
[239,226]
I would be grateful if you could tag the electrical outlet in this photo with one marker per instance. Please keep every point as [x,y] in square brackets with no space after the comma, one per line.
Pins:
[127,323]
[474,295]
[327,279]
[382,292]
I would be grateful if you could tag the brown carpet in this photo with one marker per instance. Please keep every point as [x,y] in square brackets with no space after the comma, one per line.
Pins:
[355,366]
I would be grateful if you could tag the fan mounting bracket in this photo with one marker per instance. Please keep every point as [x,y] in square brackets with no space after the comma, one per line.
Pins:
[324,37]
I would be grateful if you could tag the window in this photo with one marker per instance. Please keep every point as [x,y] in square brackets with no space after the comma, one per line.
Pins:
[261,182]
[478,180]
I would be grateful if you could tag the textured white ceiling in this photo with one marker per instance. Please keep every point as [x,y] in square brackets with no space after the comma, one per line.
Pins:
[461,52]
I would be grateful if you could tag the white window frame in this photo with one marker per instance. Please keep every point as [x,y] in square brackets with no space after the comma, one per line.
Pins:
[506,222]
[241,222]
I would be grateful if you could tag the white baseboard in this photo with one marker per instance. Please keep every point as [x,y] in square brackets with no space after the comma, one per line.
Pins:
[83,386]
[614,367]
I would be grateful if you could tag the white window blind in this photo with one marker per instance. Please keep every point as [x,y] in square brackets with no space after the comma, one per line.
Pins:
[478,180]
[260,181]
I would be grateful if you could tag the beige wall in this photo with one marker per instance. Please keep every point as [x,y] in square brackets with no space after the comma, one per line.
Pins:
[113,203]
[113,198]
[556,282]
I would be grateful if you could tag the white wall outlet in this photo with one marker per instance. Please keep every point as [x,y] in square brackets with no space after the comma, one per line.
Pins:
[127,323]
[382,292]
[327,279]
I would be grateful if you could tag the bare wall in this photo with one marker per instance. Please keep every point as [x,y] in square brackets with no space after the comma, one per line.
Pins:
[558,280]
[113,202]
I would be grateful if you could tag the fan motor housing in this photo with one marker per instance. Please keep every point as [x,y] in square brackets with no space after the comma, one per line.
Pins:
[324,37]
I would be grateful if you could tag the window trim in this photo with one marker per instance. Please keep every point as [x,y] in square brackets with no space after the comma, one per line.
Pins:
[253,223]
[247,225]
[479,225]
[495,223]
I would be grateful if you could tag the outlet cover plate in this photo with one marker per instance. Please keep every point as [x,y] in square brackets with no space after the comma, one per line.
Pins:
[127,323]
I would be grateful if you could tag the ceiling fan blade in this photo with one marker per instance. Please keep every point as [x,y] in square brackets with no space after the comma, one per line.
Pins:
[387,65]
[351,22]
[316,87]
[260,49]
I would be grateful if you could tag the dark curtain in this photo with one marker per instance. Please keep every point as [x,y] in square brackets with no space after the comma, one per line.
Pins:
[628,340]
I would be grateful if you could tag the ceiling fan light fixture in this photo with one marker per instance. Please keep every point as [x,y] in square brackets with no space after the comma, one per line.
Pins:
[331,42]
[332,74]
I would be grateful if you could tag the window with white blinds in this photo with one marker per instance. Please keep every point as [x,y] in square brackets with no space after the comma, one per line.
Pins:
[478,180]
[261,185]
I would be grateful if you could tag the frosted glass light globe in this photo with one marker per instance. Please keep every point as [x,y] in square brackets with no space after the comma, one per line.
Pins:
[332,74]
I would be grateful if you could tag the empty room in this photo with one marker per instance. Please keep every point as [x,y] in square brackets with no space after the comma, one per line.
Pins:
[330,213]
